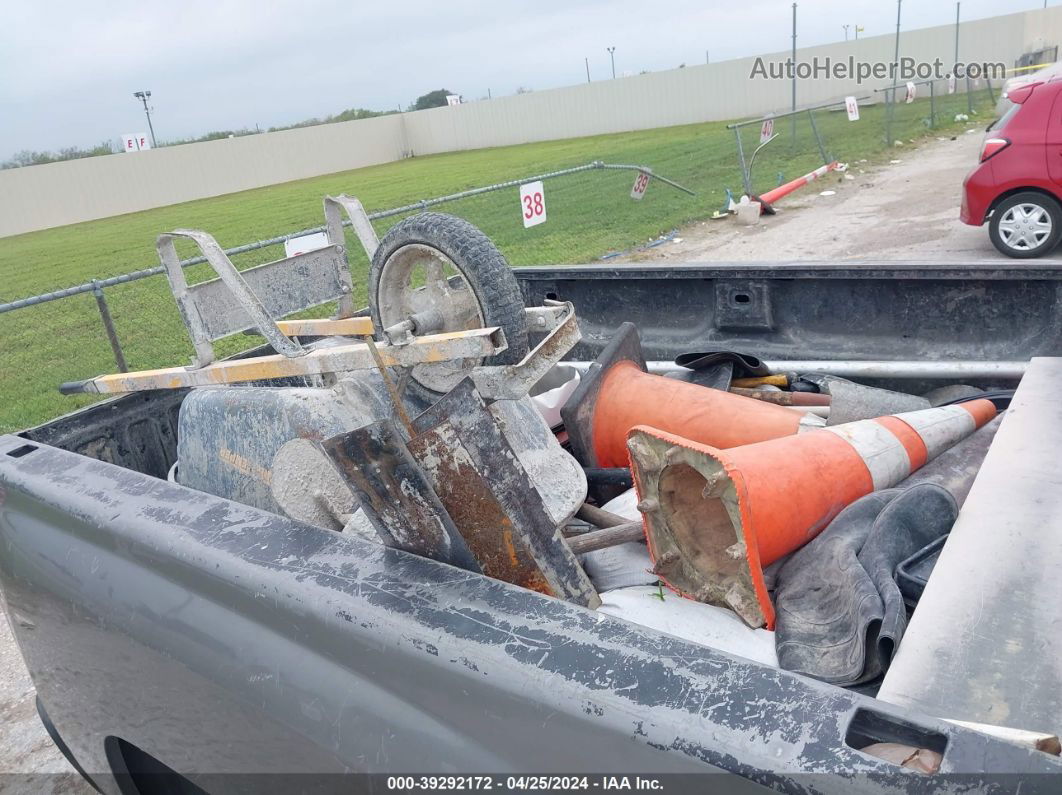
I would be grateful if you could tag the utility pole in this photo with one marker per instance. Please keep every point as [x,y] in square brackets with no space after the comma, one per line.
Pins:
[706,59]
[611,54]
[896,55]
[794,62]
[895,77]
[144,96]
[957,7]
[587,61]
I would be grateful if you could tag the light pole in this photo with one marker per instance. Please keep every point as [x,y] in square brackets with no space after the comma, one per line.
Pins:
[611,51]
[958,8]
[144,96]
[587,61]
[891,106]
[846,31]
[793,61]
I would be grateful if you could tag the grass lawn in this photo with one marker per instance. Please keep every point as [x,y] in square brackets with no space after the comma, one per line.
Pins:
[590,214]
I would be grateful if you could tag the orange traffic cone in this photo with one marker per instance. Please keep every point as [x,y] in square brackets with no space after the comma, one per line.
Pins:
[714,518]
[617,393]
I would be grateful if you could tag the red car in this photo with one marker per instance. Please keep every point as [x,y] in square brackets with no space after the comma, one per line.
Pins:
[1017,187]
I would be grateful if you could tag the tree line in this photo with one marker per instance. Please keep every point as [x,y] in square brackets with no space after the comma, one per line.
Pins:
[28,157]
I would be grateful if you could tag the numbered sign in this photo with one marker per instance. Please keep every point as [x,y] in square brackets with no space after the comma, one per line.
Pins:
[766,130]
[641,182]
[533,203]
[851,104]
[912,90]
[135,142]
[951,84]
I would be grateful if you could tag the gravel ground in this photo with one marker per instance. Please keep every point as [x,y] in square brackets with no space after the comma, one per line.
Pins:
[29,760]
[907,210]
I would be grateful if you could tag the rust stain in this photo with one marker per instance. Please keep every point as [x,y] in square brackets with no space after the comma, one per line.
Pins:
[507,537]
[476,512]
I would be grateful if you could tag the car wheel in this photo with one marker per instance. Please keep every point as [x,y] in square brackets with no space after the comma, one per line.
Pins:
[1026,225]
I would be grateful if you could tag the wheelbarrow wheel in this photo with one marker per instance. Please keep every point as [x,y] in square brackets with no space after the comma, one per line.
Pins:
[444,274]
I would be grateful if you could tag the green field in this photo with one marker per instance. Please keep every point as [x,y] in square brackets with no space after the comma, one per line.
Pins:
[590,215]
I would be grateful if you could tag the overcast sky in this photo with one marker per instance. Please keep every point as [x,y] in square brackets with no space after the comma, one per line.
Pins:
[68,69]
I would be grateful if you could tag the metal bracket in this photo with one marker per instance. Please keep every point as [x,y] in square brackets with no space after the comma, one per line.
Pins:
[255,298]
[231,278]
[743,306]
[513,381]
[359,221]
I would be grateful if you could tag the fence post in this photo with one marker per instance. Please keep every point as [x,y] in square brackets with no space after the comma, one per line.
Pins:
[745,176]
[890,101]
[108,325]
[991,93]
[932,105]
[969,97]
[818,138]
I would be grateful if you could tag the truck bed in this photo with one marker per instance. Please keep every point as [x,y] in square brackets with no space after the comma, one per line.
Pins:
[217,639]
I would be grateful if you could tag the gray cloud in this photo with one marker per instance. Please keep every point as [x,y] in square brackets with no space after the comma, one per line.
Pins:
[68,70]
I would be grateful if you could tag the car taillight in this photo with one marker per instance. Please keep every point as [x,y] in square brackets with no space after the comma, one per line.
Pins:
[992,147]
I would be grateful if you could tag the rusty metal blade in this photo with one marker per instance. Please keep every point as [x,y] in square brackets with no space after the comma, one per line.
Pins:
[395,494]
[492,500]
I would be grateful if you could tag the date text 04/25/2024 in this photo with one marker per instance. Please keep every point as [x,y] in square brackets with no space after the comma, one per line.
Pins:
[522,783]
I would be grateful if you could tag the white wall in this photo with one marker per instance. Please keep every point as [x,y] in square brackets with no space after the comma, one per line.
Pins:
[711,92]
[39,197]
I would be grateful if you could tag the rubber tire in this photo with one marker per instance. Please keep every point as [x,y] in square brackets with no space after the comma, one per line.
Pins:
[1028,197]
[484,267]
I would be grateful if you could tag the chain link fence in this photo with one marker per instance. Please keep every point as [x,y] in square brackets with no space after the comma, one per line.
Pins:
[590,212]
[130,320]
[776,149]
[936,103]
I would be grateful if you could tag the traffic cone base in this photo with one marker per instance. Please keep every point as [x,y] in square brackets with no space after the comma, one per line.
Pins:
[714,518]
[692,518]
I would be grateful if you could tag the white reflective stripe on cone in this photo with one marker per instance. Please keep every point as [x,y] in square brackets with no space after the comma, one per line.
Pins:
[810,422]
[884,454]
[940,428]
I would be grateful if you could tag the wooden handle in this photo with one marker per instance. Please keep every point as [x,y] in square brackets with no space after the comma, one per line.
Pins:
[609,537]
[596,516]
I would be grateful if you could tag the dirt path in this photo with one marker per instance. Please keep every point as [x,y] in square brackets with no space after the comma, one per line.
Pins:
[29,760]
[906,210]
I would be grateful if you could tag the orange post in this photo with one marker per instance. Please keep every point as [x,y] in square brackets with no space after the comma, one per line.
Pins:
[771,196]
